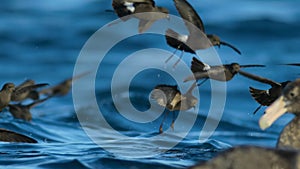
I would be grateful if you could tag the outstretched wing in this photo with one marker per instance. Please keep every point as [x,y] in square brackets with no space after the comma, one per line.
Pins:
[189,15]
[259,79]
[164,94]
[262,96]
[28,88]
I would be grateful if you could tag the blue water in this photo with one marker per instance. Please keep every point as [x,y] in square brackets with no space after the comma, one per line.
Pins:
[41,40]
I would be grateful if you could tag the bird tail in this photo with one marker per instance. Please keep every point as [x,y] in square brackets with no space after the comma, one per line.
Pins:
[170,33]
[172,38]
[121,10]
[197,65]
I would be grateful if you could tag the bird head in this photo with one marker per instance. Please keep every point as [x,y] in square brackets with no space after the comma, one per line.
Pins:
[291,97]
[214,39]
[287,102]
[9,87]
[235,68]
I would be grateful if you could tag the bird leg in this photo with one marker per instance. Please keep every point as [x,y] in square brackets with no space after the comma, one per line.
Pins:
[169,58]
[256,110]
[161,124]
[178,59]
[173,121]
[202,82]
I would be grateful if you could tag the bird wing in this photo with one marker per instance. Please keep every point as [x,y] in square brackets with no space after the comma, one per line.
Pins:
[262,96]
[144,25]
[142,1]
[164,94]
[54,89]
[292,64]
[259,79]
[57,89]
[159,97]
[25,83]
[28,88]
[189,15]
[10,136]
[38,102]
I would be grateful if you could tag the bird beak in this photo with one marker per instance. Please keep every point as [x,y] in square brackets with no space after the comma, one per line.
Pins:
[273,112]
[231,46]
[176,100]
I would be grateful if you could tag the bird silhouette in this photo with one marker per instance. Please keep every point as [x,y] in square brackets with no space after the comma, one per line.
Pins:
[5,95]
[197,38]
[27,89]
[171,98]
[21,111]
[267,97]
[127,9]
[219,72]
[63,87]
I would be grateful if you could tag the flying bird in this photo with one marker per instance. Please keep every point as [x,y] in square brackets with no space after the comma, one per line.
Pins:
[219,72]
[267,97]
[25,90]
[171,98]
[21,111]
[5,95]
[127,9]
[62,88]
[197,38]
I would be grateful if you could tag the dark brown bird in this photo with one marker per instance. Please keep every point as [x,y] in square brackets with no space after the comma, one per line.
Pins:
[289,141]
[10,136]
[220,72]
[179,42]
[289,101]
[62,88]
[25,90]
[197,38]
[267,97]
[250,157]
[127,9]
[171,98]
[20,111]
[5,95]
